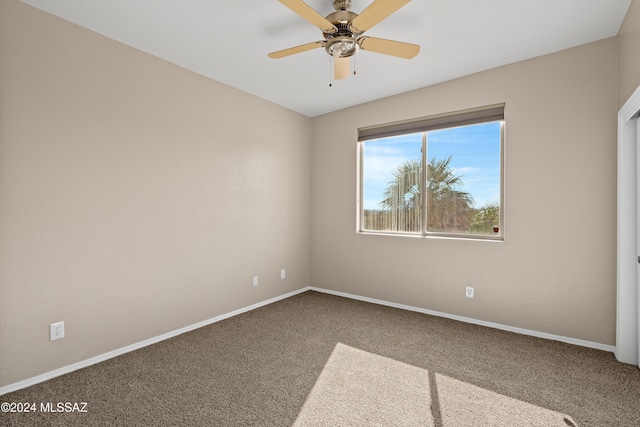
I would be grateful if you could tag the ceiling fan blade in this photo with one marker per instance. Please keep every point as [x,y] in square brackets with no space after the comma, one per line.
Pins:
[296,49]
[374,13]
[389,47]
[304,10]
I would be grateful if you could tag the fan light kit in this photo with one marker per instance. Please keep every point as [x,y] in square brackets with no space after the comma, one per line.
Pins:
[343,33]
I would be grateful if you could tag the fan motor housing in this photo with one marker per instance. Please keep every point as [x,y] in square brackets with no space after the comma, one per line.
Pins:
[342,43]
[341,18]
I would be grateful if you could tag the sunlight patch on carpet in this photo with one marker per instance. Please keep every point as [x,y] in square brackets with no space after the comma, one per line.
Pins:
[358,388]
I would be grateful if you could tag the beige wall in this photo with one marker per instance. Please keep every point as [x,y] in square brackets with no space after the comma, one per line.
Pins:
[629,54]
[136,197]
[555,272]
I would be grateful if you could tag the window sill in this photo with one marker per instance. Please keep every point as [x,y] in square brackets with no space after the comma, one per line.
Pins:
[438,236]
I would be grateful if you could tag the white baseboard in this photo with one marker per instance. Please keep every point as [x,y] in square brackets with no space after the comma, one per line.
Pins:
[568,340]
[102,357]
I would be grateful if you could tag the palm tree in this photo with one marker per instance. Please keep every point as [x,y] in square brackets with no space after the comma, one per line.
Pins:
[448,209]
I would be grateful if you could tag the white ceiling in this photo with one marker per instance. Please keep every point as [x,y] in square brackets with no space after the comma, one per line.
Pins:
[228,41]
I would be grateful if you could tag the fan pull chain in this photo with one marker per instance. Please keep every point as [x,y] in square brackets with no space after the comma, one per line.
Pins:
[354,65]
[330,69]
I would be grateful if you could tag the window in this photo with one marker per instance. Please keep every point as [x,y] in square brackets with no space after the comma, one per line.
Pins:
[435,176]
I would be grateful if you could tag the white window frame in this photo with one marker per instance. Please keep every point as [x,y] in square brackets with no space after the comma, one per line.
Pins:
[487,114]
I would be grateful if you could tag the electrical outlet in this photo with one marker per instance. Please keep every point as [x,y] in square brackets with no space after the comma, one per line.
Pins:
[469,292]
[283,274]
[255,280]
[56,331]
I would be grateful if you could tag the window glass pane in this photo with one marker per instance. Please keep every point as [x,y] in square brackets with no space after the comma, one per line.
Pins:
[391,184]
[463,179]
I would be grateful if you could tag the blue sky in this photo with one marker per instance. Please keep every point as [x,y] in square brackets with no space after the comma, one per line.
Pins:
[475,152]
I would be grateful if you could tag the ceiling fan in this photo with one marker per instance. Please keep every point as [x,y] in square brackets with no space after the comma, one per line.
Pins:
[343,32]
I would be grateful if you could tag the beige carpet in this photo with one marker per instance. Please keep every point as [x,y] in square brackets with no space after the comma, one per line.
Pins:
[358,388]
[316,359]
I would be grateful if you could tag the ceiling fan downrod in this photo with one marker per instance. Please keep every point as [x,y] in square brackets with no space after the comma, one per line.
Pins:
[342,4]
